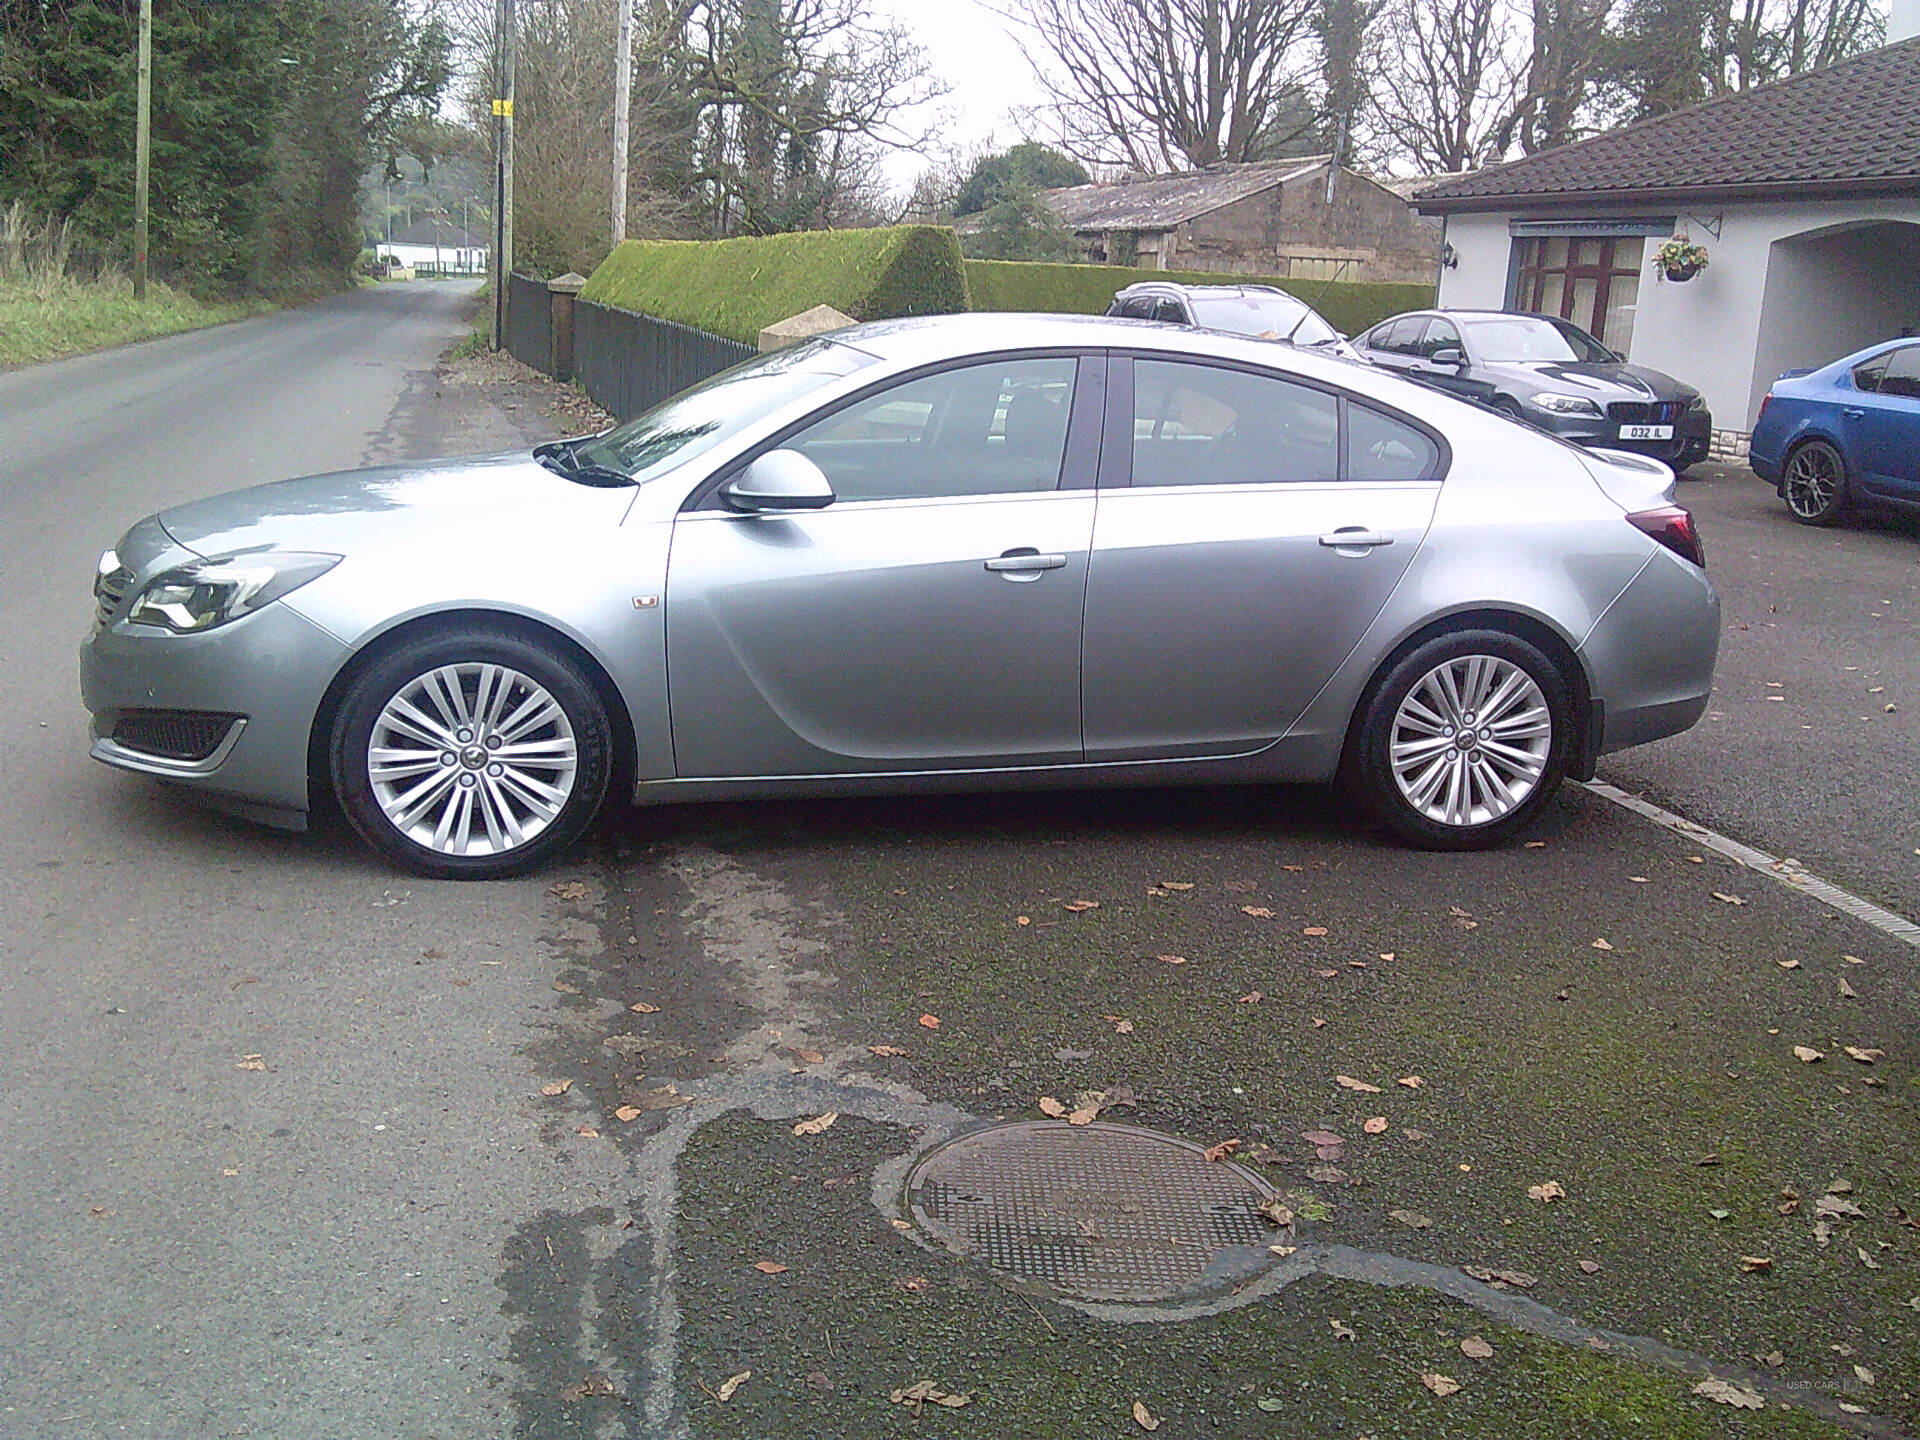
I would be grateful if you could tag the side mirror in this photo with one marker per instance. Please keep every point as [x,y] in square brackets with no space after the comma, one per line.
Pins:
[1449,355]
[778,480]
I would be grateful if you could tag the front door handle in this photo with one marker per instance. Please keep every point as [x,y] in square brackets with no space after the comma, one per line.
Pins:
[1355,538]
[1852,413]
[1025,562]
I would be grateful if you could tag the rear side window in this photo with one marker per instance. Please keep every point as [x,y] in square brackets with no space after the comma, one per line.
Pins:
[1867,376]
[1170,311]
[1199,425]
[1902,376]
[1138,307]
[1380,447]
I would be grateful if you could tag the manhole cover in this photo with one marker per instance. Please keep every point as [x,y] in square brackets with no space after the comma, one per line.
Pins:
[1098,1212]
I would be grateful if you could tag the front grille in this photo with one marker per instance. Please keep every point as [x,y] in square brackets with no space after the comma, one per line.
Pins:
[172,734]
[109,589]
[1642,412]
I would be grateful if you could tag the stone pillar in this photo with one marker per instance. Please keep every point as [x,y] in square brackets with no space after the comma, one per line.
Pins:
[560,292]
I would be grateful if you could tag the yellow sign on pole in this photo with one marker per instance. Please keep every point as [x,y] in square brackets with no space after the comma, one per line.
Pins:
[503,107]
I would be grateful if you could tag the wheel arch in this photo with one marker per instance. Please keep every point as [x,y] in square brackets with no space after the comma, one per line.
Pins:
[320,797]
[1537,632]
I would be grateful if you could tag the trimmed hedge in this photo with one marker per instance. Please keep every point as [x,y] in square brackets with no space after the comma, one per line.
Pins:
[736,288]
[1348,305]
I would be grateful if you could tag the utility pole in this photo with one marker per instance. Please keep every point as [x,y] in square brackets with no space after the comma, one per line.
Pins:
[503,174]
[622,106]
[142,148]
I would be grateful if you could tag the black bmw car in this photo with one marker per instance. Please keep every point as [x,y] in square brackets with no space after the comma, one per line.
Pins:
[1550,373]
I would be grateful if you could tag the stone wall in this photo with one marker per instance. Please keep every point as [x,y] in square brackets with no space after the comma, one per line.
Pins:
[1368,233]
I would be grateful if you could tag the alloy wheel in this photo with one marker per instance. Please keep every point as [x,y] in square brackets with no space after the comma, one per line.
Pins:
[1813,481]
[1471,740]
[472,759]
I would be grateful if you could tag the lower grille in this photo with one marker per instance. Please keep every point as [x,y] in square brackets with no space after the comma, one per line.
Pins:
[172,734]
[109,589]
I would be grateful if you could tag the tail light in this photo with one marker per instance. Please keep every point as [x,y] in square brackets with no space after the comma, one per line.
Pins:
[1673,527]
[1765,400]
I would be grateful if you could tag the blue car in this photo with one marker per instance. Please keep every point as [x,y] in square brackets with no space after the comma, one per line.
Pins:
[1846,436]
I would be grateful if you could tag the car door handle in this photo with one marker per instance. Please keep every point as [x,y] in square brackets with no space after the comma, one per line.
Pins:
[1025,562]
[1355,539]
[1853,413]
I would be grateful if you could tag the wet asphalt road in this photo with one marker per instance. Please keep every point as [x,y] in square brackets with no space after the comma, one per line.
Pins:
[389,1230]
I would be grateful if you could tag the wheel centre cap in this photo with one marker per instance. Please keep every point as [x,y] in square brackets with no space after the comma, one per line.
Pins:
[473,757]
[1465,740]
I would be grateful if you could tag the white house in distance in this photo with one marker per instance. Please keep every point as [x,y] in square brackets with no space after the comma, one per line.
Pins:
[429,245]
[1805,193]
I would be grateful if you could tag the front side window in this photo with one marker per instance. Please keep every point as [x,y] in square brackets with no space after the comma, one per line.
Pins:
[988,429]
[1201,425]
[1902,375]
[1441,335]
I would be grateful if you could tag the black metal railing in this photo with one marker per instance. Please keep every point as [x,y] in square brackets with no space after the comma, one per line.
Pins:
[529,337]
[629,363]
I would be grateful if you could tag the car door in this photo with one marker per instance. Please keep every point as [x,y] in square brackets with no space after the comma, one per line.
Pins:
[1881,427]
[1250,529]
[929,618]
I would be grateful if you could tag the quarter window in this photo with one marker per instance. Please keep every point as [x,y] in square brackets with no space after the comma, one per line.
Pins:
[1380,447]
[992,429]
[1200,425]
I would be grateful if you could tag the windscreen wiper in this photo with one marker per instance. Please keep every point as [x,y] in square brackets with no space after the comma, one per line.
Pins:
[563,458]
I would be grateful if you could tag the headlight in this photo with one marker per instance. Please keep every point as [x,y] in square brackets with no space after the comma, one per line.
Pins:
[206,593]
[1555,403]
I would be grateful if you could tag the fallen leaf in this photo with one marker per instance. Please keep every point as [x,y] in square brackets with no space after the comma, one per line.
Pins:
[1143,1417]
[556,1087]
[1176,885]
[1318,1138]
[1314,930]
[1728,899]
[1085,1115]
[629,1113]
[1807,1055]
[1829,1207]
[1172,959]
[101,1212]
[884,1050]
[1326,974]
[250,1062]
[1864,1375]
[1258,912]
[1589,1267]
[731,1384]
[769,1267]
[1318,1023]
[1282,1250]
[1725,1392]
[1412,1219]
[1023,920]
[1866,1259]
[586,1130]
[1222,1150]
[1865,1057]
[1535,845]
[1123,1027]
[565,988]
[594,1386]
[568,890]
[912,1284]
[1342,1331]
[930,1022]
[816,1125]
[1517,1279]
[1640,879]
[806,1057]
[1412,1082]
[1719,1214]
[1347,1082]
[1847,992]
[1709,1159]
[1840,1187]
[1474,1348]
[1386,955]
[641,1007]
[1079,907]
[1277,1212]
[1546,1194]
[1788,964]
[1375,1125]
[1752,1263]
[1051,1107]
[1696,859]
[1439,1384]
[1602,944]
[1252,997]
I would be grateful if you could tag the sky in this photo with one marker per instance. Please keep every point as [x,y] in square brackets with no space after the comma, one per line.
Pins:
[985,69]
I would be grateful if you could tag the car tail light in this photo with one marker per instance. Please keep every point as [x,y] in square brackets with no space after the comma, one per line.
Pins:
[1765,400]
[1673,527]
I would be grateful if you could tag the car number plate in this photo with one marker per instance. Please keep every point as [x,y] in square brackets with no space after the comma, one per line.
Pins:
[1646,432]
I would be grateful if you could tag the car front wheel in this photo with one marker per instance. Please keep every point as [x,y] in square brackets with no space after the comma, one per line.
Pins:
[470,755]
[1463,742]
[1814,483]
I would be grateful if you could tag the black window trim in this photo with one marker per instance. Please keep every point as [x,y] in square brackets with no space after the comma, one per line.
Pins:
[1080,456]
[1116,460]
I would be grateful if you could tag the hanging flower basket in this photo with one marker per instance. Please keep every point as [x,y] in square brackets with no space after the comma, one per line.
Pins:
[1680,259]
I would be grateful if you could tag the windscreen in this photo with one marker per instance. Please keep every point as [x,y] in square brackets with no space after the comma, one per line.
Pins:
[696,420]
[1520,339]
[1276,316]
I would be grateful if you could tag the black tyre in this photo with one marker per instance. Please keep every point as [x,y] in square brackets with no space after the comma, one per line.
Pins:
[470,754]
[1813,482]
[1462,742]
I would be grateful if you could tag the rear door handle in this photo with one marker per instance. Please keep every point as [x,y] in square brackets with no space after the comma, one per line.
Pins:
[1853,414]
[1025,562]
[1355,539]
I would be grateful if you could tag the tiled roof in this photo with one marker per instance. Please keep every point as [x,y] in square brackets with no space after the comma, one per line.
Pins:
[1850,126]
[1165,201]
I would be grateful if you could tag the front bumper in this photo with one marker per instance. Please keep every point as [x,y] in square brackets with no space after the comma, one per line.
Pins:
[269,670]
[1692,435]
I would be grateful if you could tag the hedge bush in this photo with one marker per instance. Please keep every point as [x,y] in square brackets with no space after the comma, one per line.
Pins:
[1349,306]
[736,288]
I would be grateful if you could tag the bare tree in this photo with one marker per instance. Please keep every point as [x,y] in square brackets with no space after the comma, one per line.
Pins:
[1449,82]
[1170,84]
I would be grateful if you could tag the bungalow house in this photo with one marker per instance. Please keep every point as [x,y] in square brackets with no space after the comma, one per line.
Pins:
[1805,195]
[435,246]
[1302,217]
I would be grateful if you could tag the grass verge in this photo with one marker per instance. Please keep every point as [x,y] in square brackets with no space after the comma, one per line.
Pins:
[47,320]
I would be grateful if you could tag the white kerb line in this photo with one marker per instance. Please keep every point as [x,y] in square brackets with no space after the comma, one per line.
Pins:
[1790,873]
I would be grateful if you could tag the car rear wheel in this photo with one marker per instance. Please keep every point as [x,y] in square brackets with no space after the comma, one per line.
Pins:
[1814,483]
[1463,742]
[470,755]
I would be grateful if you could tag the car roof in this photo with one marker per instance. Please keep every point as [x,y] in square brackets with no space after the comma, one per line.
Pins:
[1184,288]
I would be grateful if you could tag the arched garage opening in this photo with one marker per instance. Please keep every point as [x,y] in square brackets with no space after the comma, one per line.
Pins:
[1833,290]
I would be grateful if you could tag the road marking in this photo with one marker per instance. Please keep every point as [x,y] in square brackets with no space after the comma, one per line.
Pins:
[1790,873]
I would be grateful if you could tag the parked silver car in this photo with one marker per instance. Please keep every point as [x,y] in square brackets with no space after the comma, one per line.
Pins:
[974,552]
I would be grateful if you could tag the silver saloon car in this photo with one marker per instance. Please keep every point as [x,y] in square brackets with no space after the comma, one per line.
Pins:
[974,552]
